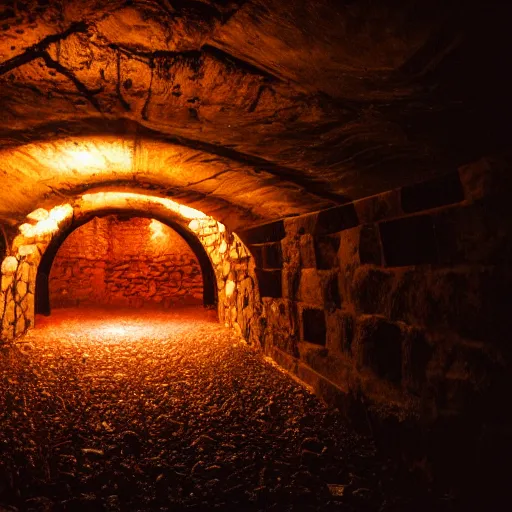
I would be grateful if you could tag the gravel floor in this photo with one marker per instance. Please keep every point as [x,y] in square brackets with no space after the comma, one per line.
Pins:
[132,411]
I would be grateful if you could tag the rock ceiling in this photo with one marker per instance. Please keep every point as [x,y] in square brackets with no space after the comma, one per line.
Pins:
[257,109]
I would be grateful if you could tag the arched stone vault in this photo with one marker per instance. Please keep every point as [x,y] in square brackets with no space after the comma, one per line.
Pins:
[343,99]
[236,194]
[25,271]
[209,280]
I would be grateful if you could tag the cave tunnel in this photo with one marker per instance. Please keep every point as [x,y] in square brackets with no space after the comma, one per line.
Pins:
[255,255]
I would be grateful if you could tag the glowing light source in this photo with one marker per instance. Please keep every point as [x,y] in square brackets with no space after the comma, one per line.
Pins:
[38,215]
[84,156]
[9,265]
[130,199]
[157,230]
[27,250]
[114,329]
[27,230]
[207,225]
[60,213]
[194,225]
[44,227]
[47,221]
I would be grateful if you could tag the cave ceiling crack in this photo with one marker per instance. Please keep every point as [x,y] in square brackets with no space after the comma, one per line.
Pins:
[119,93]
[89,94]
[35,51]
[205,50]
[215,176]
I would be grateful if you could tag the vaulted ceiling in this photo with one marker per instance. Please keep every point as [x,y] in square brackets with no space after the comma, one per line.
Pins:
[252,108]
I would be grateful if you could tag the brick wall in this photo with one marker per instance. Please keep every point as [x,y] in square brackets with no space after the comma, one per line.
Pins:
[123,262]
[395,309]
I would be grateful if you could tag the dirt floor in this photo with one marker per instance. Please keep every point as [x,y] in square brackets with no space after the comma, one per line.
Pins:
[156,411]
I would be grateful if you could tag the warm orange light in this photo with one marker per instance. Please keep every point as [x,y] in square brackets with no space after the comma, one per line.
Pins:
[47,221]
[9,265]
[194,225]
[207,225]
[60,213]
[27,230]
[38,215]
[100,200]
[157,230]
[47,226]
[84,156]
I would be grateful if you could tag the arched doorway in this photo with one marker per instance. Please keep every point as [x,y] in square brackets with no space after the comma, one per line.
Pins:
[102,282]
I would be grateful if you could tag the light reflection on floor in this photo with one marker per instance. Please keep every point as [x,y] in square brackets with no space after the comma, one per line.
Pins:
[111,326]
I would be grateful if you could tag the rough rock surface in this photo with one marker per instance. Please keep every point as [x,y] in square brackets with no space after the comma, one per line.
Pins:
[312,104]
[170,411]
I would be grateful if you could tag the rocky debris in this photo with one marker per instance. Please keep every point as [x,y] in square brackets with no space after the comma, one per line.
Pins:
[180,396]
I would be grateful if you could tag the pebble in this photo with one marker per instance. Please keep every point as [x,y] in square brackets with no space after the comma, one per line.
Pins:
[177,395]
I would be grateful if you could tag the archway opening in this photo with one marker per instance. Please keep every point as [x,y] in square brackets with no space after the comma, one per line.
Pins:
[124,260]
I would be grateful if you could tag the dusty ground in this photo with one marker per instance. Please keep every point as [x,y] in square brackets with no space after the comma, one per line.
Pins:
[170,411]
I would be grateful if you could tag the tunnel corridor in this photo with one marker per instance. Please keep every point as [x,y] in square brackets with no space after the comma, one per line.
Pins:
[255,255]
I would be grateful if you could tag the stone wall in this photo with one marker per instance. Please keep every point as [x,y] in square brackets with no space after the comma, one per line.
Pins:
[239,303]
[125,262]
[17,292]
[395,310]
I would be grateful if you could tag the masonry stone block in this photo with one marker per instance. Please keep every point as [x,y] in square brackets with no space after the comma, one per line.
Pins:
[290,251]
[370,289]
[370,251]
[438,191]
[310,288]
[417,353]
[478,233]
[332,295]
[314,327]
[409,241]
[378,346]
[291,277]
[326,251]
[307,251]
[336,219]
[281,326]
[340,331]
[379,207]
[487,178]
[301,225]
[349,248]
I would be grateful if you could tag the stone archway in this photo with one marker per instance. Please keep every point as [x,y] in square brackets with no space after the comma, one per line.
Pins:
[225,259]
[42,289]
